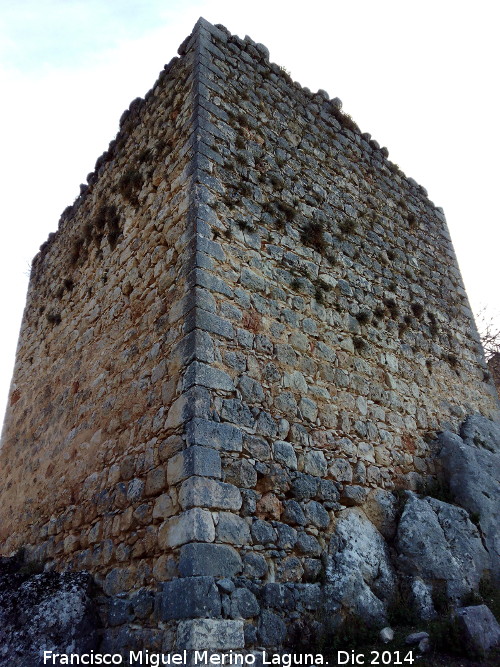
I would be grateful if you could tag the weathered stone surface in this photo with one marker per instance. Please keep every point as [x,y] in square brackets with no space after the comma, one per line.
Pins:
[481,432]
[118,580]
[255,566]
[341,470]
[287,536]
[44,612]
[195,460]
[481,629]
[213,434]
[416,637]
[236,411]
[315,464]
[210,634]
[359,573]
[213,560]
[256,447]
[472,467]
[284,453]
[191,597]
[353,495]
[251,390]
[244,604]
[386,634]
[271,629]
[194,525]
[293,513]
[421,598]
[163,507]
[233,529]
[241,473]
[142,603]
[308,545]
[437,541]
[381,509]
[203,492]
[316,514]
[291,569]
[199,373]
[263,532]
[119,612]
[304,486]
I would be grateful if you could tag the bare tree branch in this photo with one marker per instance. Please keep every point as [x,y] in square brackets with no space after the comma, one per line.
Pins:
[489,331]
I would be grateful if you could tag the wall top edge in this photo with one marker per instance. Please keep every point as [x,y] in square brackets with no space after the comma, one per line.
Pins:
[199,35]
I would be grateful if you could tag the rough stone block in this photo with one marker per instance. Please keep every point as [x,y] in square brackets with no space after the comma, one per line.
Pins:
[214,560]
[209,281]
[163,507]
[210,634]
[118,580]
[203,492]
[263,532]
[308,545]
[196,345]
[209,247]
[190,597]
[195,524]
[316,514]
[293,513]
[198,373]
[213,434]
[284,453]
[353,495]
[119,612]
[155,482]
[195,460]
[232,529]
[480,627]
[244,604]
[241,473]
[271,629]
[304,486]
[176,412]
[198,318]
[315,464]
[437,541]
[255,566]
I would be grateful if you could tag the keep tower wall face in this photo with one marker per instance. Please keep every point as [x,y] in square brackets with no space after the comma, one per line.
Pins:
[248,321]
[96,369]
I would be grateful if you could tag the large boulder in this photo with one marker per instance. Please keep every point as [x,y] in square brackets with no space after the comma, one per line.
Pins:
[437,542]
[43,612]
[480,628]
[471,464]
[359,577]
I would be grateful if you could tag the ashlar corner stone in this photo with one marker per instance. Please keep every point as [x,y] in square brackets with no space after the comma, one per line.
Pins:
[195,460]
[190,597]
[203,492]
[213,560]
[194,525]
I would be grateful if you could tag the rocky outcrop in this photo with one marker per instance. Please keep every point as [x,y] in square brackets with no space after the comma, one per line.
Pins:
[471,464]
[480,628]
[43,612]
[359,575]
[437,542]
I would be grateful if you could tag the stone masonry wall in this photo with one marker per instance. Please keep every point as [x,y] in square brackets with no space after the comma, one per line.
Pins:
[84,446]
[252,321]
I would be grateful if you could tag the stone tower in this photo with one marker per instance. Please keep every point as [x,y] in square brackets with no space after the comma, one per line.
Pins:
[248,321]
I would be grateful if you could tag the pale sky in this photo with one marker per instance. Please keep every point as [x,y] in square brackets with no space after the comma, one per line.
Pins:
[422,78]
